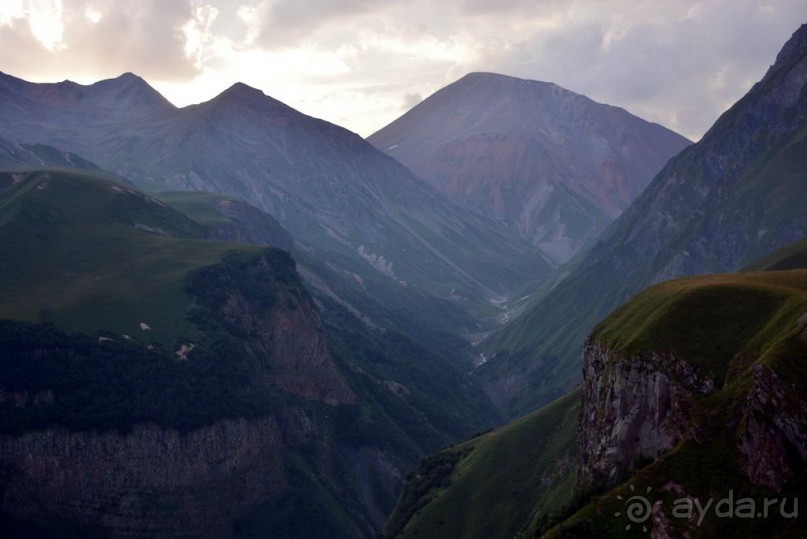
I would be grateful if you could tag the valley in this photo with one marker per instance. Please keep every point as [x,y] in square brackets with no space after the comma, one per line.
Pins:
[497,316]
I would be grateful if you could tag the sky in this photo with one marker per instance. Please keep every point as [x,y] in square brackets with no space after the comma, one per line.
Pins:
[363,63]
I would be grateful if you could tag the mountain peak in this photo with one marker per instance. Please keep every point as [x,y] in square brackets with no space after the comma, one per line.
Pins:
[129,79]
[128,92]
[240,91]
[523,150]
[243,95]
[500,81]
[129,76]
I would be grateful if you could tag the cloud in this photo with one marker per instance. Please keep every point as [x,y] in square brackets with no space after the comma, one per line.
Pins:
[88,39]
[677,62]
[680,63]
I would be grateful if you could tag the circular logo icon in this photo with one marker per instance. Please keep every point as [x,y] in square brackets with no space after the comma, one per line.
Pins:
[638,508]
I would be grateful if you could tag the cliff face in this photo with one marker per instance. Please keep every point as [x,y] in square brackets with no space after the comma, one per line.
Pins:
[634,410]
[261,302]
[773,445]
[703,372]
[150,482]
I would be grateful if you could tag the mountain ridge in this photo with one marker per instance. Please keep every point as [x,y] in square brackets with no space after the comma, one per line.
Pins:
[130,94]
[553,165]
[326,185]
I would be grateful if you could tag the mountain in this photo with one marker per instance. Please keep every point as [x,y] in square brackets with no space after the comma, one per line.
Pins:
[327,186]
[156,382]
[13,154]
[691,417]
[735,196]
[127,96]
[555,166]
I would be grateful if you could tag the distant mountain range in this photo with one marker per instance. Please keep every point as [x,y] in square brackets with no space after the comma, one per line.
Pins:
[735,196]
[553,165]
[327,186]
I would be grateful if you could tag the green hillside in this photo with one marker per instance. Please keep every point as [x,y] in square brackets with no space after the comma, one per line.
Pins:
[735,328]
[87,260]
[90,255]
[710,320]
[741,330]
[492,485]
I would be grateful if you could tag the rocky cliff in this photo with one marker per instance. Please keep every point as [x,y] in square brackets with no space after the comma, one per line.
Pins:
[634,410]
[252,433]
[261,301]
[151,482]
[695,390]
[773,445]
[649,367]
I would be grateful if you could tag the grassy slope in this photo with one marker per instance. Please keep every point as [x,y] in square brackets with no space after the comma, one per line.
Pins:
[72,255]
[492,485]
[710,319]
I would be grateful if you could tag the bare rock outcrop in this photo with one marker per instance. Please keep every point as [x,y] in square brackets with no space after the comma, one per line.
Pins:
[634,409]
[149,482]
